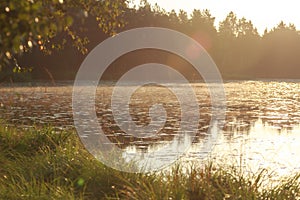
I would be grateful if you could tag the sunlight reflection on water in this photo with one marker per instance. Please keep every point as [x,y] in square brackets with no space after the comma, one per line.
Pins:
[261,131]
[264,147]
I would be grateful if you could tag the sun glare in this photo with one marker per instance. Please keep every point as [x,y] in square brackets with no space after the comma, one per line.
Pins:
[263,14]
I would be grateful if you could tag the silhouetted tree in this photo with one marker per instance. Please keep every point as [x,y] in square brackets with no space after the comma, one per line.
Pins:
[25,24]
[280,53]
[236,47]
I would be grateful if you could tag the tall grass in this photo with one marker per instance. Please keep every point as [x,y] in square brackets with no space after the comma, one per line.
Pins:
[45,164]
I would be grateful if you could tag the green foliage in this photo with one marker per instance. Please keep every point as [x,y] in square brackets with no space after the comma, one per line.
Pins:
[25,24]
[236,46]
[47,164]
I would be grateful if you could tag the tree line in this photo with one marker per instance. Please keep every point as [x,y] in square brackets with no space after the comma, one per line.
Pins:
[239,51]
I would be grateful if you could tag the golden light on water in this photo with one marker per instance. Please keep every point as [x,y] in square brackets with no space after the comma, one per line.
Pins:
[261,131]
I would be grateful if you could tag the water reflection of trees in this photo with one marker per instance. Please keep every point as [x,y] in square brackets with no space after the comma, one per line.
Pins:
[276,107]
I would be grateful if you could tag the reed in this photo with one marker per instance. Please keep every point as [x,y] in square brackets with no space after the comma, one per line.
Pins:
[41,163]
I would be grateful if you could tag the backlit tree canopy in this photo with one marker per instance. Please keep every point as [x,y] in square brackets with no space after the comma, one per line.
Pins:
[43,25]
[28,23]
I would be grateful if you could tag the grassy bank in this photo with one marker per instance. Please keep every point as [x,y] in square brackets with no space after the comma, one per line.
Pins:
[44,164]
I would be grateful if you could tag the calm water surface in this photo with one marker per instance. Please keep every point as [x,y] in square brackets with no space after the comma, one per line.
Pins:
[261,130]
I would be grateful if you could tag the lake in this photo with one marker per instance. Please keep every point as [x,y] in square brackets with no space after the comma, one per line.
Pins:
[261,128]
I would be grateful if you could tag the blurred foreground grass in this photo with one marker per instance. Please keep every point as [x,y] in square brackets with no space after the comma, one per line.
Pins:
[41,163]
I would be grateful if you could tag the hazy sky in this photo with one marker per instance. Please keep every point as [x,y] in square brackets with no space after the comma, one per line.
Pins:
[263,13]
